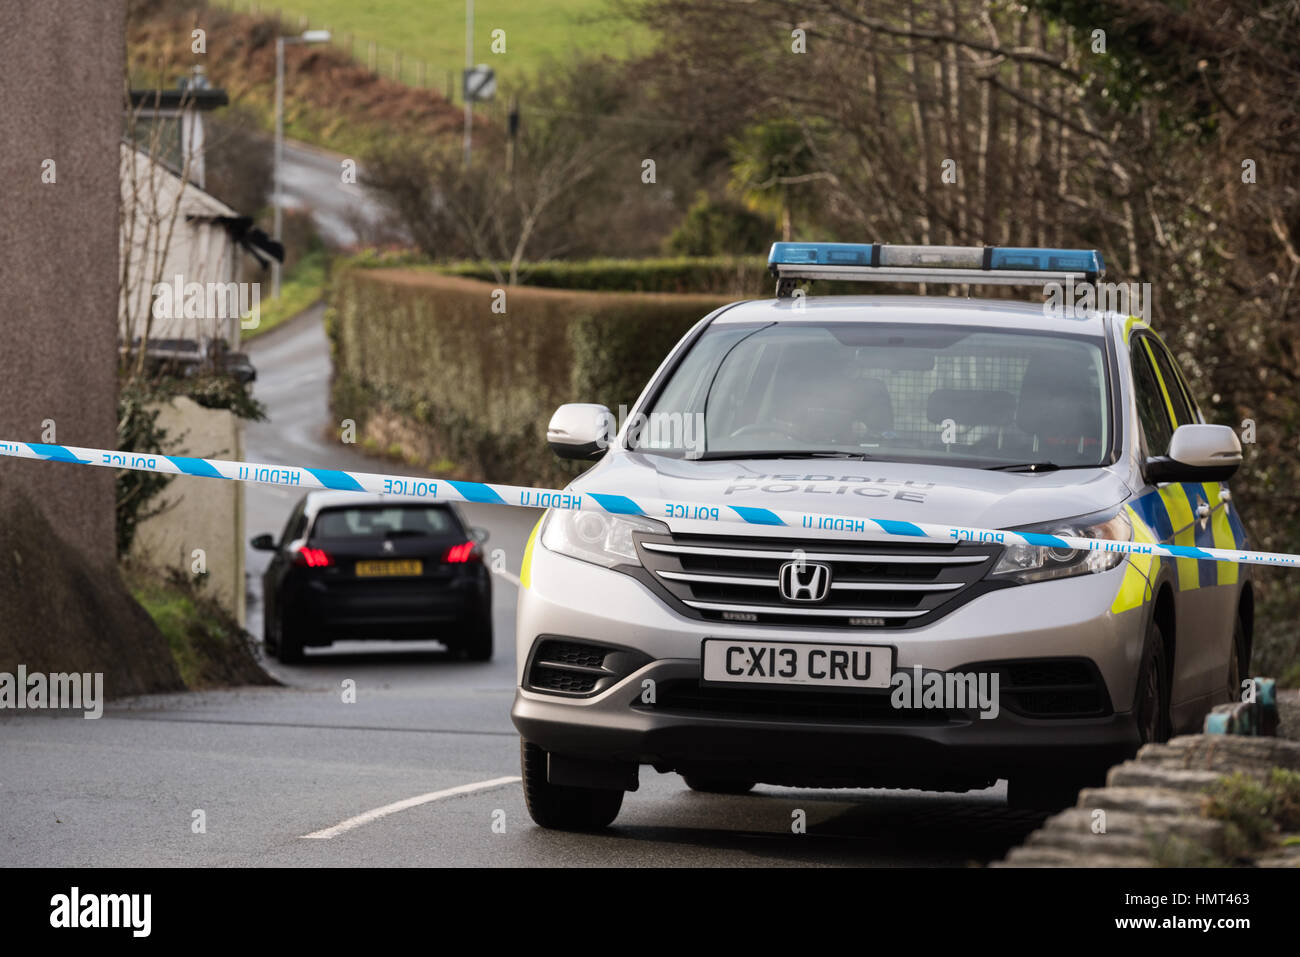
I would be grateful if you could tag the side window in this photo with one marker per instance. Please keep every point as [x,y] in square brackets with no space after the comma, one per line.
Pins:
[293,527]
[1176,382]
[1173,387]
[1151,409]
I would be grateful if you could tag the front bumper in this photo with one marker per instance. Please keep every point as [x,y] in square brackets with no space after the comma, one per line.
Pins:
[1069,618]
[911,751]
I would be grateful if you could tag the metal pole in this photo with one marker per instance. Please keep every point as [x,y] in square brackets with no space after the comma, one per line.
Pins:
[279,158]
[469,64]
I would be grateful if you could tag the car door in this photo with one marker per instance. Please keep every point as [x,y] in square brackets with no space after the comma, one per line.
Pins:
[280,559]
[1194,514]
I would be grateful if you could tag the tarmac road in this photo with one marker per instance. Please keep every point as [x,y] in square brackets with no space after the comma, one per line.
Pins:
[422,769]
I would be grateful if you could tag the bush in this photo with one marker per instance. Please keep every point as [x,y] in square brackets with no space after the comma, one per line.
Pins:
[721,227]
[420,358]
[1259,810]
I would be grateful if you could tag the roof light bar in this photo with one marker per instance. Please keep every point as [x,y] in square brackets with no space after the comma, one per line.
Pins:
[977,265]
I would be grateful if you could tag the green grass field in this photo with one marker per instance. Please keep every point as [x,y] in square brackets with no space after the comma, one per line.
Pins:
[536,31]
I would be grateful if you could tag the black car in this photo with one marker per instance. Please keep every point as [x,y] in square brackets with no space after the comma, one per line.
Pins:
[351,566]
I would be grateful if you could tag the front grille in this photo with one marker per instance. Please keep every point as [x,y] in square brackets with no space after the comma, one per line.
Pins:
[686,697]
[1050,687]
[565,682]
[886,584]
[578,668]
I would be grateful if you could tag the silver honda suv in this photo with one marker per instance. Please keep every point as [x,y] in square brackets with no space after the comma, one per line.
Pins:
[714,640]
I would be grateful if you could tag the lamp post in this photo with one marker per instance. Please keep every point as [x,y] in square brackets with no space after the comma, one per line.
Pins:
[469,65]
[311,36]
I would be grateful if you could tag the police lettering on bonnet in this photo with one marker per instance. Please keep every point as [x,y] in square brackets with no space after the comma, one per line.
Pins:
[904,491]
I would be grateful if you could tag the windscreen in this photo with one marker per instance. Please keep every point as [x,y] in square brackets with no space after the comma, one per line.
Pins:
[383,522]
[943,394]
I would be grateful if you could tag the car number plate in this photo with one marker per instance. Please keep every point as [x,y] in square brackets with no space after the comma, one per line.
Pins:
[805,664]
[390,569]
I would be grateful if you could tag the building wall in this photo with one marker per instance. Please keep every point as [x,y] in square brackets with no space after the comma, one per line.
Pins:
[61,69]
[201,513]
[160,213]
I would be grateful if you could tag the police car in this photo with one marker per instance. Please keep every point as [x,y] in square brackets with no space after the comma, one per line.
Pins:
[736,653]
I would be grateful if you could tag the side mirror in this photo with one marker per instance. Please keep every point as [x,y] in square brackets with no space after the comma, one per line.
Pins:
[263,543]
[478,535]
[580,430]
[1197,453]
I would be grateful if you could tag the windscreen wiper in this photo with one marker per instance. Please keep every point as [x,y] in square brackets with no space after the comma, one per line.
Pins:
[789,454]
[1025,467]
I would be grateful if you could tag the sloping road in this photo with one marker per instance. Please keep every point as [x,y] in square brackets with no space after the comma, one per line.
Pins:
[313,179]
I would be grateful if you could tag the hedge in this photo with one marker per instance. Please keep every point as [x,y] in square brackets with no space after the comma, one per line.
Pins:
[739,276]
[422,356]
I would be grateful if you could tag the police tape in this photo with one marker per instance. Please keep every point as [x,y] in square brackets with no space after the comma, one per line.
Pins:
[446,490]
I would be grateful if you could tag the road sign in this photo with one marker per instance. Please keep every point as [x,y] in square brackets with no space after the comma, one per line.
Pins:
[480,83]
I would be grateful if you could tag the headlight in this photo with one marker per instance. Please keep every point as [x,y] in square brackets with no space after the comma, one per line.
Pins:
[596,537]
[1036,563]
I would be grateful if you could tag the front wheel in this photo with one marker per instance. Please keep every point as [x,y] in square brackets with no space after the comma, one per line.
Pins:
[561,807]
[1238,663]
[1152,705]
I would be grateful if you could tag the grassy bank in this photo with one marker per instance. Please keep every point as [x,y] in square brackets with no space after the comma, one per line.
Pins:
[209,647]
[300,288]
[434,31]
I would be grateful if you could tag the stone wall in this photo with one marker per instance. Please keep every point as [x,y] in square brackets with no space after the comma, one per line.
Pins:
[61,67]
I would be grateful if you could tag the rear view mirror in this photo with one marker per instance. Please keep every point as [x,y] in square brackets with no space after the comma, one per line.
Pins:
[580,430]
[1198,453]
[478,535]
[263,543]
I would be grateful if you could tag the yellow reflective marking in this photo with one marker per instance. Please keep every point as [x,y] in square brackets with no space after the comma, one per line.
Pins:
[1135,586]
[1222,528]
[1131,323]
[1164,390]
[526,570]
[1183,522]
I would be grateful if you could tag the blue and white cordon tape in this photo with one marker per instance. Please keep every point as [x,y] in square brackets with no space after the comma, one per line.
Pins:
[443,490]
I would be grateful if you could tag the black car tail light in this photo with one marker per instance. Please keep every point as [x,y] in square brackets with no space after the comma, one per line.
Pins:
[312,557]
[464,552]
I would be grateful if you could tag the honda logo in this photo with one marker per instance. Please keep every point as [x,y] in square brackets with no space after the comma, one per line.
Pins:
[804,581]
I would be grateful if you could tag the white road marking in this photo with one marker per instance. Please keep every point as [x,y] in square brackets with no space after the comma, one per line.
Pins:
[411,802]
[508,576]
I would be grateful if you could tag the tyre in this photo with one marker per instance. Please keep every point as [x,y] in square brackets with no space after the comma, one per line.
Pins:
[1152,705]
[1238,665]
[288,641]
[269,645]
[561,807]
[712,785]
[478,646]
